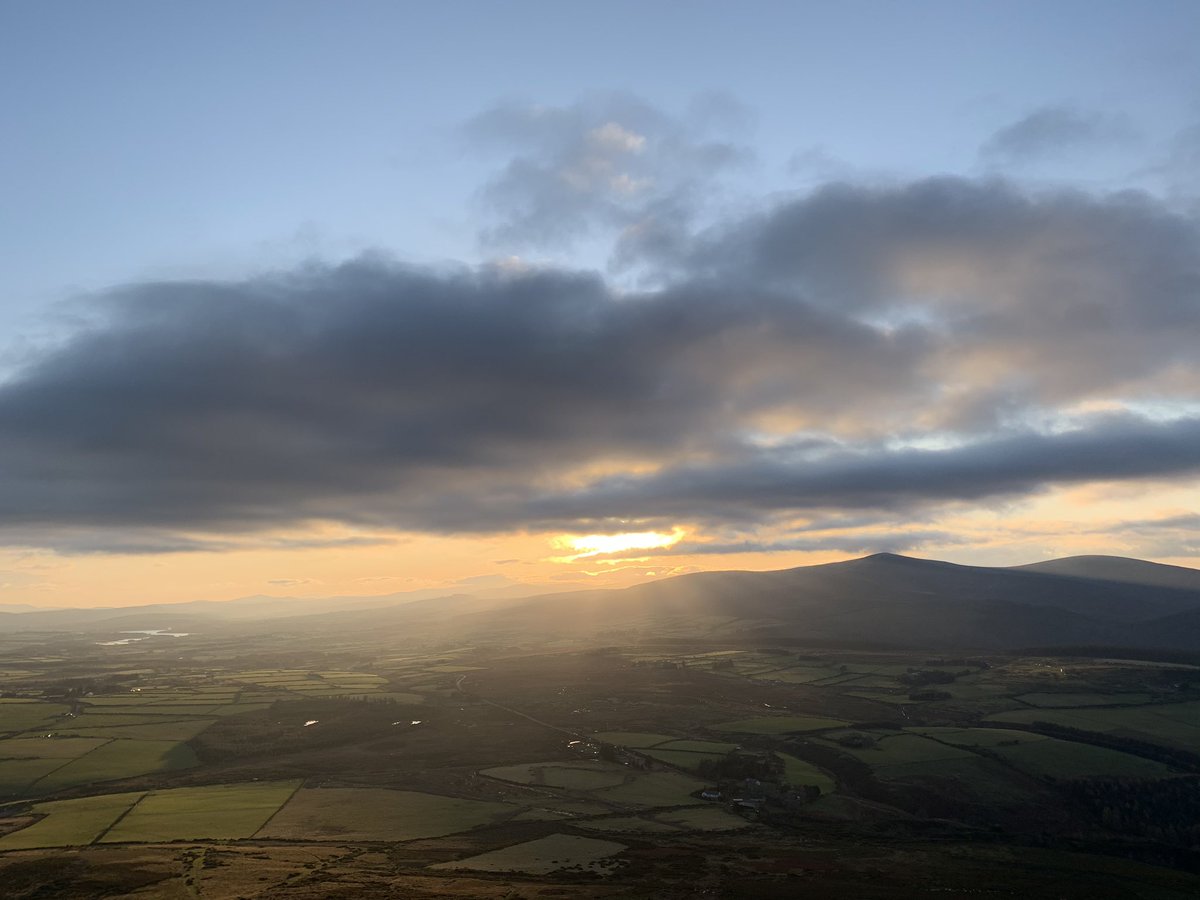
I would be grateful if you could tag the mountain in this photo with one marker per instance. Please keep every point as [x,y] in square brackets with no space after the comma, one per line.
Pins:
[1120,569]
[883,599]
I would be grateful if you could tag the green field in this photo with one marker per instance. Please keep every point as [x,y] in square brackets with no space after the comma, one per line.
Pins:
[1069,759]
[120,759]
[584,775]
[1066,701]
[1034,754]
[1171,724]
[545,855]
[699,746]
[703,818]
[17,776]
[796,674]
[376,814]
[684,759]
[22,715]
[182,730]
[798,772]
[70,823]
[881,697]
[900,749]
[778,724]
[635,739]
[977,737]
[226,811]
[48,748]
[654,789]
[628,825]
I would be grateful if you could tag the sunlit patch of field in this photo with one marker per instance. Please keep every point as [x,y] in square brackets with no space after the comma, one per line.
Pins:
[378,814]
[778,724]
[70,823]
[555,853]
[798,772]
[214,812]
[226,811]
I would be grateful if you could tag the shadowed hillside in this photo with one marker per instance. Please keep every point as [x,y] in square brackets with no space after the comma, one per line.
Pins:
[882,599]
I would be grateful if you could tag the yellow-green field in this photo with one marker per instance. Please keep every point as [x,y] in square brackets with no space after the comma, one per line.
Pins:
[225,811]
[69,823]
[798,772]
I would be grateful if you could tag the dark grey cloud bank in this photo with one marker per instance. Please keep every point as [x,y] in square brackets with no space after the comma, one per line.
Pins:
[867,319]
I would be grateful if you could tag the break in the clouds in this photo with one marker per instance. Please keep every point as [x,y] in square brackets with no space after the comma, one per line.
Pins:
[1055,131]
[889,348]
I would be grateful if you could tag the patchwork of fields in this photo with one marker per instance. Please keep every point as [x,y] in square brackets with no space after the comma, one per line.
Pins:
[430,754]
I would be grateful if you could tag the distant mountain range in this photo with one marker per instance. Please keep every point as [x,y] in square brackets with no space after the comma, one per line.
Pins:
[883,599]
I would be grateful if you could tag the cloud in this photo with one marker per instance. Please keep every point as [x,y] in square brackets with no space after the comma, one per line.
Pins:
[1055,131]
[853,542]
[1179,167]
[1021,297]
[608,164]
[1113,448]
[852,349]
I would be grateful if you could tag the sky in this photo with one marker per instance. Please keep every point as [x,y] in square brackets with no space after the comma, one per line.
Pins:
[316,298]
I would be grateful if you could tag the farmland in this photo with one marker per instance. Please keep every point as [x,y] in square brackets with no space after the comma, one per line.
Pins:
[378,815]
[544,855]
[577,765]
[221,812]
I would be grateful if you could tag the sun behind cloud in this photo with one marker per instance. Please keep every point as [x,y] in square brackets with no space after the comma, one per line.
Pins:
[588,545]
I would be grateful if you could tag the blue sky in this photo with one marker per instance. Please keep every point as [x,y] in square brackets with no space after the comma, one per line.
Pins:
[150,138]
[313,294]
